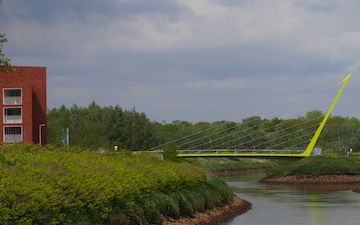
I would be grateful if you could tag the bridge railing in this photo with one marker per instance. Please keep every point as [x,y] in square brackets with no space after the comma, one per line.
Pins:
[240,151]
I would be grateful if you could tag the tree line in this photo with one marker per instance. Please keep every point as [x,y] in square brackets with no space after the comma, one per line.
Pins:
[98,127]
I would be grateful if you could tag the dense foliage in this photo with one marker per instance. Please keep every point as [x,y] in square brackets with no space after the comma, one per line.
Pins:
[96,127]
[319,165]
[44,185]
[4,62]
[103,127]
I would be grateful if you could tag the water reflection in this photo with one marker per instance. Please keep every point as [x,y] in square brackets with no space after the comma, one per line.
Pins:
[316,211]
[294,204]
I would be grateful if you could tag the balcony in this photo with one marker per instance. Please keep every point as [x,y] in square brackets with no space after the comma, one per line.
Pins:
[12,138]
[12,100]
[12,97]
[12,134]
[12,115]
[13,119]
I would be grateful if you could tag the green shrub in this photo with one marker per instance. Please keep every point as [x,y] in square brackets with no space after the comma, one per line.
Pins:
[185,207]
[151,211]
[44,185]
[195,198]
[170,153]
[220,187]
[167,205]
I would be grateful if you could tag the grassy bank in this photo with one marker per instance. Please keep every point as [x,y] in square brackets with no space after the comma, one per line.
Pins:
[44,185]
[232,164]
[317,166]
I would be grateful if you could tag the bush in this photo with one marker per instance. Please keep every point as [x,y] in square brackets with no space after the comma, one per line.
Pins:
[170,153]
[44,185]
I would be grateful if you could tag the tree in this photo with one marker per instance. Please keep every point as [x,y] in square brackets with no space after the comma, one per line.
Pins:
[341,134]
[4,62]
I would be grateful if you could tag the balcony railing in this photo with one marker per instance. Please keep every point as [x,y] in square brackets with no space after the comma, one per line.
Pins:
[13,119]
[12,100]
[11,138]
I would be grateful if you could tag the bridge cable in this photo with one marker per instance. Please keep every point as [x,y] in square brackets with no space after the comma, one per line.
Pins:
[238,119]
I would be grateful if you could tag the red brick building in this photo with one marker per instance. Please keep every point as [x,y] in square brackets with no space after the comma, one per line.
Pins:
[23,105]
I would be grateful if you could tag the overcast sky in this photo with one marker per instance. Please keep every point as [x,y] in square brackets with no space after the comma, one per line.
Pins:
[192,60]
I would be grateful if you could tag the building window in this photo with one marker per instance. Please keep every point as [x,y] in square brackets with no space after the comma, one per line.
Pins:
[12,97]
[12,134]
[12,115]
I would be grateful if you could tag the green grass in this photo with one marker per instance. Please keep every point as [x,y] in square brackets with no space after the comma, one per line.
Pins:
[231,164]
[44,185]
[318,165]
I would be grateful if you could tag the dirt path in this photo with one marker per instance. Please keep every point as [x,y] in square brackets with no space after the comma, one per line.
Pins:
[215,216]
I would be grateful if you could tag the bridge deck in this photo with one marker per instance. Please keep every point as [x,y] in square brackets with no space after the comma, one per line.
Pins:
[241,153]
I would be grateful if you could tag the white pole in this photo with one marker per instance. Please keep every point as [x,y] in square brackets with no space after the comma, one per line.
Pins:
[41,125]
[67,137]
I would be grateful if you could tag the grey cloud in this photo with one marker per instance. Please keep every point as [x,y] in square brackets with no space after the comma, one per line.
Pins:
[47,12]
[182,60]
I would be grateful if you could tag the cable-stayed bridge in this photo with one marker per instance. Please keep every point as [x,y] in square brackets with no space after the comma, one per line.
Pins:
[205,143]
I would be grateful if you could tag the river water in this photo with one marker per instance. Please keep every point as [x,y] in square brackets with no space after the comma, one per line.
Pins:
[294,205]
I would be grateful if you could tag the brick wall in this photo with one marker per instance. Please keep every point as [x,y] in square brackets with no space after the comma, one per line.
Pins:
[32,82]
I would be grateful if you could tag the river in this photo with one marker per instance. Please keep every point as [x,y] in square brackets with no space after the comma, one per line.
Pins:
[295,205]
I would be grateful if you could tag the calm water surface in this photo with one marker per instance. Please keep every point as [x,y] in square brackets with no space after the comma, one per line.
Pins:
[294,205]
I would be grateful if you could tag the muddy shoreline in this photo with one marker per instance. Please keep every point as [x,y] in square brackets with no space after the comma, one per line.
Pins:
[215,216]
[324,179]
[357,190]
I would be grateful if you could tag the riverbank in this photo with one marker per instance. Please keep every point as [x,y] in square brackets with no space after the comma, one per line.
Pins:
[322,179]
[215,216]
[317,170]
